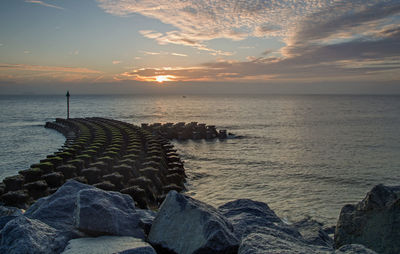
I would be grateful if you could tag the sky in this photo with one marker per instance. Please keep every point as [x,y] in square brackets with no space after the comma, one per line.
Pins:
[200,46]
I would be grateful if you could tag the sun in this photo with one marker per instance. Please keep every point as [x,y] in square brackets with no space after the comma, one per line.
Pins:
[162,78]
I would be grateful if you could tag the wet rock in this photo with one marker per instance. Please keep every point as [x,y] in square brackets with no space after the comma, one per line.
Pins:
[354,249]
[114,178]
[58,209]
[138,194]
[108,245]
[99,212]
[92,175]
[125,170]
[176,179]
[14,183]
[32,174]
[174,187]
[185,225]
[2,188]
[105,185]
[80,179]
[37,189]
[373,222]
[17,198]
[24,235]
[100,165]
[312,231]
[68,170]
[55,179]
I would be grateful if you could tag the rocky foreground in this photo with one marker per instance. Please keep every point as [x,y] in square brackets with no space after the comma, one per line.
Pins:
[80,218]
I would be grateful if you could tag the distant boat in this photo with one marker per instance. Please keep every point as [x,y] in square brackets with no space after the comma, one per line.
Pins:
[183,96]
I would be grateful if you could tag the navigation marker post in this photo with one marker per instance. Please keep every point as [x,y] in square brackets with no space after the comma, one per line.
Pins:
[67,104]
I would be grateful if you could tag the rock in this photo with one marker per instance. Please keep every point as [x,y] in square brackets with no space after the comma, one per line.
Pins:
[68,170]
[14,183]
[24,235]
[248,216]
[373,222]
[15,198]
[146,218]
[277,242]
[32,174]
[58,209]
[105,185]
[37,189]
[115,178]
[138,194]
[7,214]
[185,225]
[108,245]
[312,231]
[99,212]
[55,179]
[262,231]
[354,249]
[92,175]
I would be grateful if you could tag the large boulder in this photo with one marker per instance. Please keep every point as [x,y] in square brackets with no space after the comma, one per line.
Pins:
[262,231]
[99,212]
[185,225]
[277,242]
[248,216]
[373,222]
[58,209]
[30,236]
[312,231]
[108,245]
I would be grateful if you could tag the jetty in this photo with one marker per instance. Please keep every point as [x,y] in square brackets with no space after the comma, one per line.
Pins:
[108,154]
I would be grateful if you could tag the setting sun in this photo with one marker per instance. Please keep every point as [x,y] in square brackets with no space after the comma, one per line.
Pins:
[161,79]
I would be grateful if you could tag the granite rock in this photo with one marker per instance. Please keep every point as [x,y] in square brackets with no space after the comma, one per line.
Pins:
[185,225]
[28,236]
[58,209]
[100,212]
[373,222]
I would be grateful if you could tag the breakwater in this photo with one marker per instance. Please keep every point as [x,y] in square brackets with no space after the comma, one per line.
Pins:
[108,154]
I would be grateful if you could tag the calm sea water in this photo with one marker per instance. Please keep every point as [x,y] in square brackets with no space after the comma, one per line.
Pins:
[303,155]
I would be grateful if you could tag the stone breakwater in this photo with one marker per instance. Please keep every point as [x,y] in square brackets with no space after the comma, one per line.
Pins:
[80,218]
[108,154]
[184,131]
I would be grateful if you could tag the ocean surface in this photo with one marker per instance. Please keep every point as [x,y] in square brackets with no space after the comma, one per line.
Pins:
[304,155]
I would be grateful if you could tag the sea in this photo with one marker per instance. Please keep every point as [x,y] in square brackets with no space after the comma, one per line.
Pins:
[304,155]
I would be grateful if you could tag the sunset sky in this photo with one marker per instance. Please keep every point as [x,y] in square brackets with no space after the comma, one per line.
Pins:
[196,45]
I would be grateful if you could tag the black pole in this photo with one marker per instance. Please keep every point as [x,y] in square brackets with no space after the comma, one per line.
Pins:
[68,104]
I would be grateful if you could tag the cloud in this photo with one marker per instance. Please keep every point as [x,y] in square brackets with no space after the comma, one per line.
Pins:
[361,60]
[1,44]
[179,54]
[324,39]
[116,62]
[39,73]
[27,67]
[44,4]
[151,53]
[198,21]
[27,52]
[74,52]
